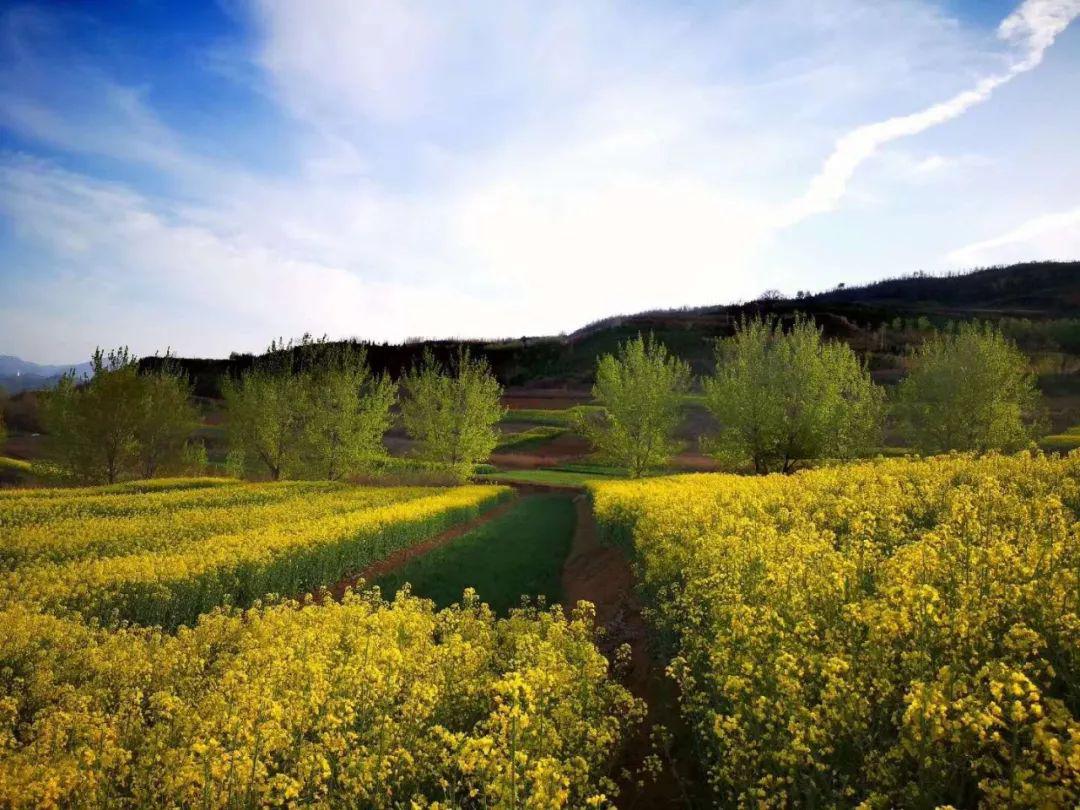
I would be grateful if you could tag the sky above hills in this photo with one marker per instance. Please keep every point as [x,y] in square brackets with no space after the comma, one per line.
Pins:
[207,177]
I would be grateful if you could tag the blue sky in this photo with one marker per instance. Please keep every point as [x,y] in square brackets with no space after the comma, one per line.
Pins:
[207,177]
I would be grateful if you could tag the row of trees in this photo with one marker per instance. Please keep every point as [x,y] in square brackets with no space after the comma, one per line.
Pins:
[319,412]
[782,398]
[310,411]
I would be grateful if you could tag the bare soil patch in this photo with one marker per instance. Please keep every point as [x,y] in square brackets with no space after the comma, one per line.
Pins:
[601,574]
[549,398]
[560,449]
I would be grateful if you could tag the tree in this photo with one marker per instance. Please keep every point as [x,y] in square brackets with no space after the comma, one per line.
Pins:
[785,398]
[267,417]
[92,424]
[166,418]
[348,413]
[452,413]
[118,423]
[641,392]
[970,390]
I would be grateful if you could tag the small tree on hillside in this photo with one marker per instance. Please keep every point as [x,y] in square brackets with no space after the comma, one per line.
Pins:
[641,390]
[452,413]
[348,413]
[969,390]
[786,398]
[165,421]
[92,425]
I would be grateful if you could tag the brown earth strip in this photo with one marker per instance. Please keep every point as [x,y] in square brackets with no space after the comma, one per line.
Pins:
[601,574]
[402,556]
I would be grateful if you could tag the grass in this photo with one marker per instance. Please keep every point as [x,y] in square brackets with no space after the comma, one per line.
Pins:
[529,439]
[554,417]
[16,464]
[1061,443]
[551,476]
[519,552]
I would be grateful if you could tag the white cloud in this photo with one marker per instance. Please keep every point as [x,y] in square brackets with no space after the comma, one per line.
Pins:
[111,251]
[1048,236]
[488,169]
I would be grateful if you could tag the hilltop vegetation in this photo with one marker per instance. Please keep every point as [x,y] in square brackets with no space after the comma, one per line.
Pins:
[1040,300]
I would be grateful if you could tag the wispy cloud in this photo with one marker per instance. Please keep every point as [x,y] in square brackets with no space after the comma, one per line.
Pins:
[1047,236]
[1032,28]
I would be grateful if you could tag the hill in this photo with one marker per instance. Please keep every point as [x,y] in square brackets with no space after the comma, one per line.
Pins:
[1038,301]
[18,375]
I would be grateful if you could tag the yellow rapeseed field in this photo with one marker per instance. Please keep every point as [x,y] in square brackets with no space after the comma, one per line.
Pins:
[892,634]
[362,703]
[180,576]
[65,537]
[359,704]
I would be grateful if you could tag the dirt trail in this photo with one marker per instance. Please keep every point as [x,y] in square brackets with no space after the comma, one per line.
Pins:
[601,574]
[402,556]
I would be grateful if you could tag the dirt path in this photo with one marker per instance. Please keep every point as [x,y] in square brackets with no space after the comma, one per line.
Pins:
[402,556]
[601,574]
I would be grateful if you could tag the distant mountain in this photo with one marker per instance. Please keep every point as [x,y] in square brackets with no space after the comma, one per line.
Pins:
[18,375]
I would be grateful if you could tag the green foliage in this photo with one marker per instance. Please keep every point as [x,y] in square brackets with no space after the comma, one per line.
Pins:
[316,412]
[1060,443]
[641,390]
[452,413]
[164,422]
[194,460]
[266,419]
[784,398]
[348,414]
[16,464]
[118,423]
[501,572]
[969,390]
[529,439]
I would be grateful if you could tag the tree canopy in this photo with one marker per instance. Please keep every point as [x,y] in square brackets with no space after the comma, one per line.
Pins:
[970,389]
[118,423]
[452,413]
[783,398]
[641,389]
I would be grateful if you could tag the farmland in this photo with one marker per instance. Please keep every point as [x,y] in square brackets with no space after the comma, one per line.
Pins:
[335,587]
[132,676]
[895,634]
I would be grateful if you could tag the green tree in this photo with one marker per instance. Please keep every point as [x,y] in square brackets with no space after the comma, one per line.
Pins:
[267,417]
[166,418]
[452,413]
[348,413]
[785,398]
[970,390]
[92,425]
[641,390]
